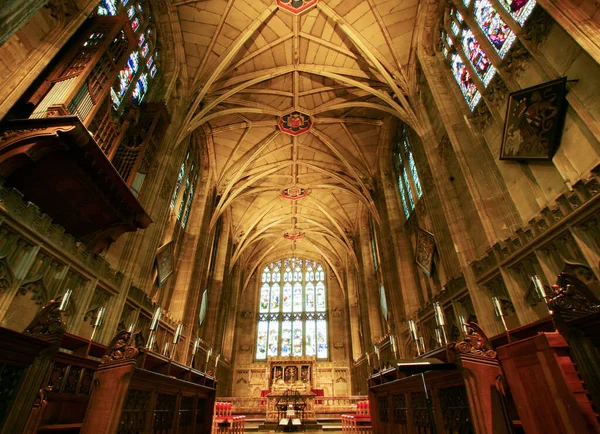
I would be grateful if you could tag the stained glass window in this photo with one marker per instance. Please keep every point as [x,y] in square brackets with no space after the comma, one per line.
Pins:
[107,7]
[178,185]
[126,77]
[188,207]
[374,251]
[261,341]
[292,310]
[133,80]
[412,166]
[264,297]
[286,338]
[519,9]
[135,24]
[405,205]
[463,78]
[191,177]
[493,26]
[139,92]
[454,27]
[188,185]
[480,62]
[406,171]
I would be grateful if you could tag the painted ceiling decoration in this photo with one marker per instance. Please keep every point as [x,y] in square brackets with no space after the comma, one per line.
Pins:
[294,235]
[294,193]
[296,6]
[295,123]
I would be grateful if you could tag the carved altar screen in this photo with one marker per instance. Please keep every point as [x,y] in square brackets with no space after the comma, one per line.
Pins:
[292,318]
[291,372]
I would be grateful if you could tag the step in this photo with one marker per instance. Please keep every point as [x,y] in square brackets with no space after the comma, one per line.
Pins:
[331,428]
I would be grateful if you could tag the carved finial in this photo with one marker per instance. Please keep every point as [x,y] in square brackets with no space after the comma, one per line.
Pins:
[120,349]
[571,298]
[47,322]
[475,344]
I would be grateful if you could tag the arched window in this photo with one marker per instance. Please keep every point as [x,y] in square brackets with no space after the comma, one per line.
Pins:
[292,319]
[141,68]
[183,204]
[465,52]
[406,172]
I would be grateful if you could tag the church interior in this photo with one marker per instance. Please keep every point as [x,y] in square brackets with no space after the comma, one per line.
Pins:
[358,216]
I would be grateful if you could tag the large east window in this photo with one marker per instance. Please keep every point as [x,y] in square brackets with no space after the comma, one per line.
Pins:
[292,319]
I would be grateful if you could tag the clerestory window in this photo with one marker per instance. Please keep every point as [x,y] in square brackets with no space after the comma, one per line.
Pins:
[472,28]
[409,183]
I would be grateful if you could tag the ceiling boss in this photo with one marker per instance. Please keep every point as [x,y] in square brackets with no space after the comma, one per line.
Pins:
[295,123]
[296,6]
[294,193]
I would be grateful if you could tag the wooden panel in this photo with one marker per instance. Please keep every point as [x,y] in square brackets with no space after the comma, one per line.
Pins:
[545,386]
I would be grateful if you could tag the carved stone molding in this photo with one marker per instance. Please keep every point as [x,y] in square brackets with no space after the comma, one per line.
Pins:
[497,91]
[571,298]
[538,27]
[514,62]
[120,348]
[481,117]
[475,344]
[6,276]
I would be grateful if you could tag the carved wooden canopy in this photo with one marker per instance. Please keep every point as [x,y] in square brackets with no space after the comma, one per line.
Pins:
[56,164]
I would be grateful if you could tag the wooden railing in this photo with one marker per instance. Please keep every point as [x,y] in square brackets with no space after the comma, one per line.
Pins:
[325,404]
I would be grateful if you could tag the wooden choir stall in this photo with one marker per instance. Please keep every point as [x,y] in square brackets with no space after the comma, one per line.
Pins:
[458,391]
[53,381]
[138,391]
[536,380]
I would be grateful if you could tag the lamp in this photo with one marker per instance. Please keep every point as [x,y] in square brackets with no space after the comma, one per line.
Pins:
[412,327]
[154,327]
[65,300]
[500,312]
[440,320]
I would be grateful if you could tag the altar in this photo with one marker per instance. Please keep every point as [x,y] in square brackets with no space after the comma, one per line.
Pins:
[291,381]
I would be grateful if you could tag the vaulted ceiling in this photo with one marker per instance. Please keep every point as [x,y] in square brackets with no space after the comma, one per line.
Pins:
[341,64]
